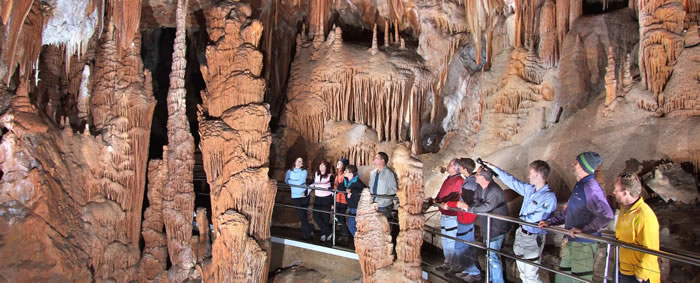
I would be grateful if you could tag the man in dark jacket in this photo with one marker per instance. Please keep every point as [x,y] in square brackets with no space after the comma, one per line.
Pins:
[489,198]
[587,211]
[353,186]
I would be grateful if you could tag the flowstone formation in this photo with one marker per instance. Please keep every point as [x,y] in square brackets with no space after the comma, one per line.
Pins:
[338,81]
[373,239]
[235,144]
[88,224]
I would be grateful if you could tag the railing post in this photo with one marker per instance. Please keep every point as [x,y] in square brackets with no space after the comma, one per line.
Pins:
[333,214]
[607,263]
[617,263]
[488,247]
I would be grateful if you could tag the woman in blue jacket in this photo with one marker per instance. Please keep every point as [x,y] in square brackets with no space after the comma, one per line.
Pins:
[296,176]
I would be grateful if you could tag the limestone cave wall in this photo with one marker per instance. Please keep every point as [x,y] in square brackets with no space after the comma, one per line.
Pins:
[251,85]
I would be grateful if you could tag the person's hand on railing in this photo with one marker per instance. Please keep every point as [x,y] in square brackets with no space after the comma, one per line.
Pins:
[542,224]
[572,232]
[462,205]
[444,206]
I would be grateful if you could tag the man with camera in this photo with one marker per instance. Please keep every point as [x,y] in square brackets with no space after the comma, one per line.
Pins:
[538,204]
[489,198]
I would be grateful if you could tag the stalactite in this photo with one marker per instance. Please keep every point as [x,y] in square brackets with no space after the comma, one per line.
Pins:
[575,11]
[127,18]
[23,37]
[386,33]
[660,42]
[235,144]
[396,32]
[562,11]
[610,80]
[480,19]
[548,46]
[369,100]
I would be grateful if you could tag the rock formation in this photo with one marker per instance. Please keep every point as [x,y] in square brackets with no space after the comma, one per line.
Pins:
[661,42]
[174,194]
[235,144]
[373,238]
[610,79]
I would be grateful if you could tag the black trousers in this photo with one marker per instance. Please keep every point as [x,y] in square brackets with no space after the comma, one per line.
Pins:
[322,219]
[342,208]
[306,228]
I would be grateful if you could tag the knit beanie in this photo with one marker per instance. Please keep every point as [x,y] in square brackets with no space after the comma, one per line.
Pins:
[589,161]
[345,161]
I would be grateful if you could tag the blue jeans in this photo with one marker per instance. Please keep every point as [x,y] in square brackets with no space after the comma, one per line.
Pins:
[495,265]
[352,225]
[448,226]
[466,253]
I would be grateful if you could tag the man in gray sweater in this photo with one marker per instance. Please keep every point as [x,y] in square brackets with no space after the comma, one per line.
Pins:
[382,182]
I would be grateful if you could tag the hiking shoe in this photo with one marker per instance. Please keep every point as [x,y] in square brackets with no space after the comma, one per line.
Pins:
[443,267]
[323,238]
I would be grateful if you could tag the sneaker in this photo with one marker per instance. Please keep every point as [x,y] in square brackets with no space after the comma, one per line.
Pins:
[443,267]
[455,269]
[472,278]
[323,238]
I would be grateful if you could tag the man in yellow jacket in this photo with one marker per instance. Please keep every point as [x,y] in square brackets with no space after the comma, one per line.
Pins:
[637,224]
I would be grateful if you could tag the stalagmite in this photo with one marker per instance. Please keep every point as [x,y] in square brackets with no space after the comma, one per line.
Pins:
[373,238]
[660,42]
[84,95]
[373,50]
[409,172]
[122,109]
[626,76]
[235,145]
[204,243]
[338,43]
[155,253]
[610,80]
[403,44]
[178,193]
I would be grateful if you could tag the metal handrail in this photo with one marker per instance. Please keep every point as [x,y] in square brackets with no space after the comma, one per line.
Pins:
[613,242]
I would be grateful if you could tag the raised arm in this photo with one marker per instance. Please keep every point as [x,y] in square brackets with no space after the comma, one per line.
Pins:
[513,183]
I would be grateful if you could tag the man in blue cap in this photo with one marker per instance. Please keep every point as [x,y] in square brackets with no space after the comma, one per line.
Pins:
[587,211]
